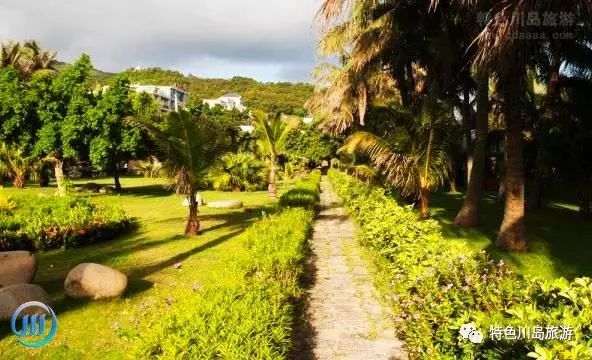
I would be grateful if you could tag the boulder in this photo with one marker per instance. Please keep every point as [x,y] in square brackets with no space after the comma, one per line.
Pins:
[107,190]
[226,204]
[198,200]
[14,296]
[17,267]
[94,282]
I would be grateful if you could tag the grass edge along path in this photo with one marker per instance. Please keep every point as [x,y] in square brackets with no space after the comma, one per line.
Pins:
[436,286]
[249,311]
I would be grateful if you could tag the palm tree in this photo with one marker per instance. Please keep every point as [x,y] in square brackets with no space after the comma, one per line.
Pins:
[37,59]
[189,145]
[414,158]
[14,165]
[271,135]
[10,55]
[238,172]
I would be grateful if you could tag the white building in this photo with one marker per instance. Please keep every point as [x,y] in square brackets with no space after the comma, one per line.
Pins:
[170,97]
[228,102]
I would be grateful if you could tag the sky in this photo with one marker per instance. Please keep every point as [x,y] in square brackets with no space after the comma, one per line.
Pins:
[269,40]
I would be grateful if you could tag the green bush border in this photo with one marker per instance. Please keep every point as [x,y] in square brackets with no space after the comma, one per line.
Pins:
[250,311]
[434,286]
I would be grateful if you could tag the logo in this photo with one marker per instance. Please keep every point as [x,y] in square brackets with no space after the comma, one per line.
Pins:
[34,325]
[470,332]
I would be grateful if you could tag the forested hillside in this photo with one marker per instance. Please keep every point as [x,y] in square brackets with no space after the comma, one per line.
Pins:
[287,98]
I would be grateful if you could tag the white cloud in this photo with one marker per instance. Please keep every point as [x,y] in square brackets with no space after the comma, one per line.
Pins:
[266,39]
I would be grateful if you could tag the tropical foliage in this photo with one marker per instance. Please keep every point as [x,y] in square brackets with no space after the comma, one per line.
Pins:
[435,286]
[237,172]
[246,312]
[188,144]
[30,223]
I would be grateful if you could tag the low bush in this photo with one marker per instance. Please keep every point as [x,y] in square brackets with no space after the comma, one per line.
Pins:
[304,194]
[246,312]
[43,224]
[435,286]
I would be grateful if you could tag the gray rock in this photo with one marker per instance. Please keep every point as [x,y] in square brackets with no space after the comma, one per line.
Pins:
[13,296]
[94,282]
[17,267]
[226,204]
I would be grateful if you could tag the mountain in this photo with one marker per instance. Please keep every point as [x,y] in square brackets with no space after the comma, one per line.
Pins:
[288,98]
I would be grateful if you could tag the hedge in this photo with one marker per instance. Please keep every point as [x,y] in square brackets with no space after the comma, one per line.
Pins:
[38,223]
[434,286]
[249,311]
[304,194]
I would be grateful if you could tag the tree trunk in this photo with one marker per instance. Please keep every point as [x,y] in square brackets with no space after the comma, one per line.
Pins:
[512,231]
[547,116]
[468,216]
[424,203]
[586,198]
[272,188]
[453,188]
[116,178]
[59,176]
[192,228]
[18,181]
[44,176]
[467,125]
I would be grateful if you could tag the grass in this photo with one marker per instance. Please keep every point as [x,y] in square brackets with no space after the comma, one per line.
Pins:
[560,240]
[94,330]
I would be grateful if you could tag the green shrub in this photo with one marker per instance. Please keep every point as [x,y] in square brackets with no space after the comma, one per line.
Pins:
[248,311]
[43,224]
[238,172]
[435,286]
[6,204]
[304,194]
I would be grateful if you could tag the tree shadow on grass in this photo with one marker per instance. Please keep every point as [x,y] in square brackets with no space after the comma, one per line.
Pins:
[147,191]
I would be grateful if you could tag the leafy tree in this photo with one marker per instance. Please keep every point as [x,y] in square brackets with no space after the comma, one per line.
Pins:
[189,145]
[307,142]
[14,108]
[271,136]
[64,116]
[115,137]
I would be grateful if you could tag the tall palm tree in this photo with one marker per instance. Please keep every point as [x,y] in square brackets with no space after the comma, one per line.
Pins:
[14,165]
[271,133]
[189,145]
[508,55]
[37,59]
[414,158]
[11,54]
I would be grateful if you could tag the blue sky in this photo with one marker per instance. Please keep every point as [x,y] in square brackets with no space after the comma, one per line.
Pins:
[269,40]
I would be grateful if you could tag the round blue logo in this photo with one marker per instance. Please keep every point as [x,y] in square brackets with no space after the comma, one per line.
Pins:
[34,325]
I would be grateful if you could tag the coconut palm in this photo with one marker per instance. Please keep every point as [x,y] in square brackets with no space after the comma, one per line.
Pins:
[414,157]
[189,145]
[15,165]
[10,54]
[37,59]
[271,133]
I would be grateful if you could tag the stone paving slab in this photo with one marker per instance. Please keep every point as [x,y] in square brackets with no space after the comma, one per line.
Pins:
[345,317]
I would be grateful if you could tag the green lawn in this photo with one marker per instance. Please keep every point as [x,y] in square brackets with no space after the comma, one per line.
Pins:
[89,330]
[560,241]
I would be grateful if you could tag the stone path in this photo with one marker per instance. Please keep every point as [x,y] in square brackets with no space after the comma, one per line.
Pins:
[346,320]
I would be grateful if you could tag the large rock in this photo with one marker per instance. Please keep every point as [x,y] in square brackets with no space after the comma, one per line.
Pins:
[14,296]
[226,204]
[94,282]
[17,267]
